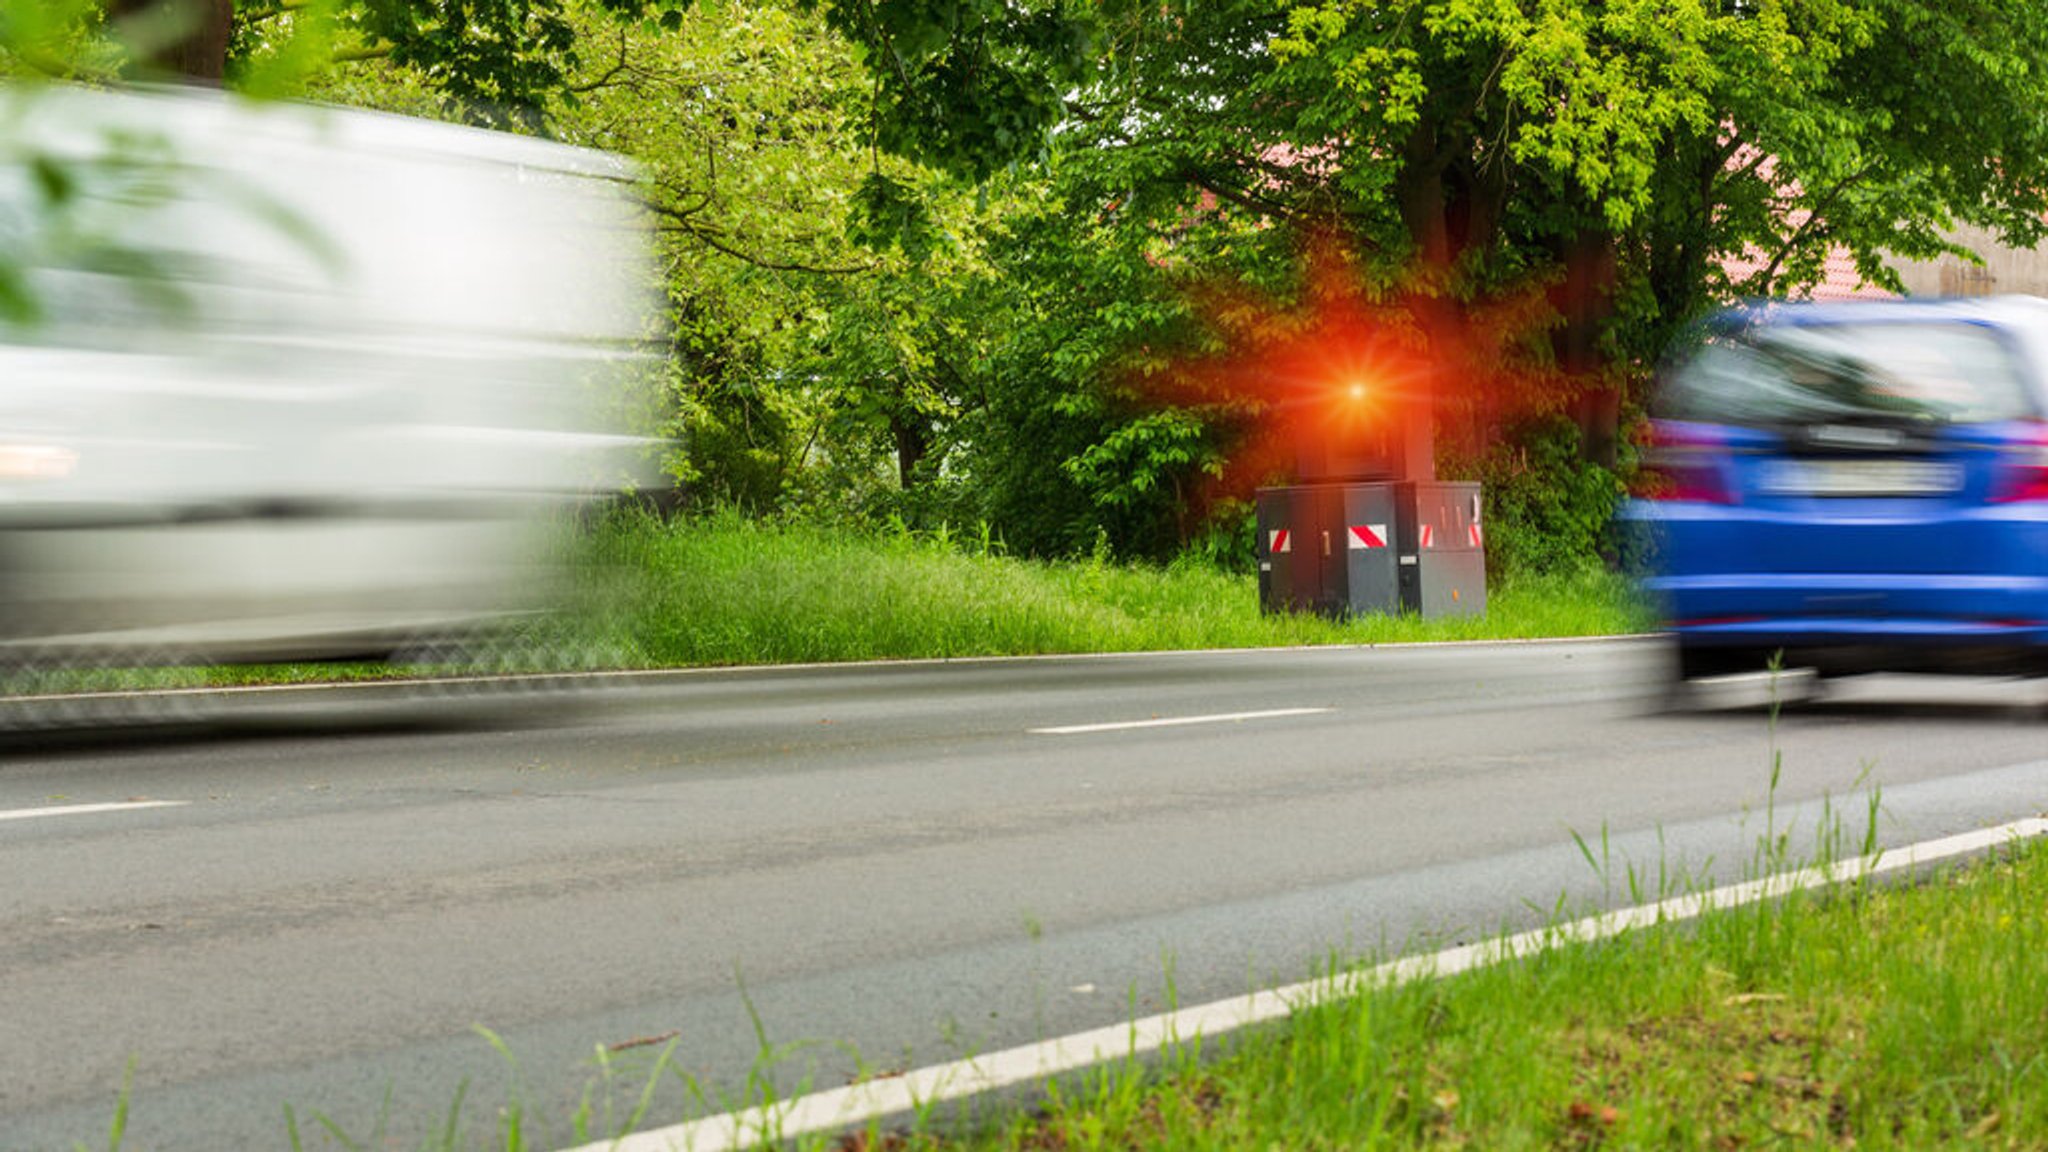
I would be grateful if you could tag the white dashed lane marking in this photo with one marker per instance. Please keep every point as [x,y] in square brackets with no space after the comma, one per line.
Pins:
[1174,721]
[86,809]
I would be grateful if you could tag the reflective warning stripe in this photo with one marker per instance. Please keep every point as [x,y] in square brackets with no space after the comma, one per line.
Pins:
[1478,538]
[1429,535]
[1277,541]
[1368,536]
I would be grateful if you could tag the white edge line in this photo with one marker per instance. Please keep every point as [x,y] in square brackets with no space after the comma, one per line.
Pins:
[872,1100]
[1172,721]
[87,809]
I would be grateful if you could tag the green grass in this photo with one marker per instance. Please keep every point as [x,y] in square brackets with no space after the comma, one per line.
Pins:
[725,590]
[1866,1017]
[731,591]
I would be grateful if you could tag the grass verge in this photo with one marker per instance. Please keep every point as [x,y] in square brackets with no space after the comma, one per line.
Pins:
[1861,1016]
[730,591]
[725,590]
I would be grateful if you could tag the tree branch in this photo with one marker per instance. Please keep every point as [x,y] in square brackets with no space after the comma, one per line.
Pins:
[1240,197]
[610,74]
[682,215]
[1728,153]
[1814,223]
[712,242]
[683,223]
[246,17]
[359,55]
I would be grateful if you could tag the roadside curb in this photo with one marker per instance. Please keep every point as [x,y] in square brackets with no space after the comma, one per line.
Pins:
[159,705]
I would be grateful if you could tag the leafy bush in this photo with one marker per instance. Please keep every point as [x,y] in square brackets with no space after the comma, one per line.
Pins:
[1548,510]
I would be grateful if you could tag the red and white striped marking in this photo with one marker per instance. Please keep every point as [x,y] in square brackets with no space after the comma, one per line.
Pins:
[1478,538]
[1368,536]
[1277,542]
[1428,536]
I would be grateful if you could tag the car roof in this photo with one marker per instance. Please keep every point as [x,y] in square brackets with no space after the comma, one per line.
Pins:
[2013,310]
[75,112]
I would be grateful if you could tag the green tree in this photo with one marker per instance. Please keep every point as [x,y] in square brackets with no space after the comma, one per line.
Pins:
[813,361]
[1018,258]
[1549,189]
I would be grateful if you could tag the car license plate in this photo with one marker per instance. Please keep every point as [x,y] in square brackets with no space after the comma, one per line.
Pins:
[1890,477]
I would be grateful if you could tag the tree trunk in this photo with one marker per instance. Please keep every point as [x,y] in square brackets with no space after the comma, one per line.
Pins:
[1419,189]
[1584,299]
[913,442]
[176,39]
[1584,303]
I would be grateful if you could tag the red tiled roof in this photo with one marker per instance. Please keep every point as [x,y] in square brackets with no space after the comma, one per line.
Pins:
[1840,281]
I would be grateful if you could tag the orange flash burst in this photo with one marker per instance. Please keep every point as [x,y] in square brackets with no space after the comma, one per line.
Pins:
[1350,383]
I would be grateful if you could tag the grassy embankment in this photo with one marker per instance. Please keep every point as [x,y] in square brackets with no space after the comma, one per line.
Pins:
[724,590]
[727,591]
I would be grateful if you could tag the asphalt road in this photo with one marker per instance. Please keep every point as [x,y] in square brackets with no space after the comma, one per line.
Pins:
[866,868]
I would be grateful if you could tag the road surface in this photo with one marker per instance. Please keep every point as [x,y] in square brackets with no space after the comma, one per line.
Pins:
[811,874]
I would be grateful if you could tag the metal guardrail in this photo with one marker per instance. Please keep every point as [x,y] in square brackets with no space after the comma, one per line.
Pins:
[70,696]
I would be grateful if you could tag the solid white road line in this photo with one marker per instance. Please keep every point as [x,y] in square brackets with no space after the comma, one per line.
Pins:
[1172,721]
[876,1099]
[86,809]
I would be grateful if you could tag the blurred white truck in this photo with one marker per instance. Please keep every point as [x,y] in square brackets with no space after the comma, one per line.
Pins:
[287,382]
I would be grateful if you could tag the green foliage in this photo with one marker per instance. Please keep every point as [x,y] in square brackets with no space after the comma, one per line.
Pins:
[1598,173]
[1144,456]
[1228,541]
[1062,446]
[497,62]
[1456,130]
[56,39]
[822,296]
[967,85]
[888,213]
[964,259]
[1548,510]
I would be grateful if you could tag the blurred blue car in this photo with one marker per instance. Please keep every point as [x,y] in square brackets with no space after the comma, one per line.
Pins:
[1853,487]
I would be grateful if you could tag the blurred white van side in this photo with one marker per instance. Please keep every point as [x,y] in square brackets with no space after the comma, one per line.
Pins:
[300,383]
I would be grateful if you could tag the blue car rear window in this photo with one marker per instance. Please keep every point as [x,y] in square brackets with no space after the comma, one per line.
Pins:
[1894,373]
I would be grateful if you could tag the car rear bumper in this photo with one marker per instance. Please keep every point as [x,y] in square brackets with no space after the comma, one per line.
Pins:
[1842,646]
[1813,631]
[1856,604]
[1847,624]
